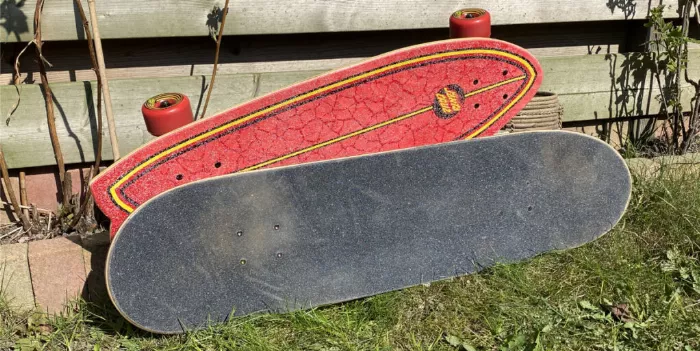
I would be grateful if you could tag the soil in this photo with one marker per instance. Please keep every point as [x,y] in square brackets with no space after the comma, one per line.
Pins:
[14,233]
[41,229]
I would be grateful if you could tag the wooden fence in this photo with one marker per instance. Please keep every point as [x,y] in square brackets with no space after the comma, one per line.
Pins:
[183,18]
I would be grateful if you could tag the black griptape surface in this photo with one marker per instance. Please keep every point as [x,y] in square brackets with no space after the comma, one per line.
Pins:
[319,233]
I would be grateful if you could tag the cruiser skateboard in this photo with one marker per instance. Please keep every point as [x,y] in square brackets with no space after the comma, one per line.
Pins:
[323,232]
[420,95]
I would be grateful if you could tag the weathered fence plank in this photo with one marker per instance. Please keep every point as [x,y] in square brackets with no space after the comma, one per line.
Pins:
[590,87]
[171,57]
[167,18]
[26,142]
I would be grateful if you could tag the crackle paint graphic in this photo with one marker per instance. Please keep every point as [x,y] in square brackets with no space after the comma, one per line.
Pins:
[426,94]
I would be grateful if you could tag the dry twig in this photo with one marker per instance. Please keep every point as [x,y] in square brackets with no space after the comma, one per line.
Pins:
[103,76]
[10,233]
[23,193]
[48,97]
[17,82]
[95,169]
[11,192]
[31,208]
[216,57]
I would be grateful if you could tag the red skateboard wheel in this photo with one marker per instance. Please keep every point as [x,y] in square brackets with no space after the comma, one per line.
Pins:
[166,112]
[469,23]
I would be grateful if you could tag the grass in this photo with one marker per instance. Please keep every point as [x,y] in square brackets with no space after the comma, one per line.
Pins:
[636,288]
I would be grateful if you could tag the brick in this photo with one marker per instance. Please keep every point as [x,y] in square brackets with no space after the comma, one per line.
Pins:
[42,188]
[15,281]
[58,272]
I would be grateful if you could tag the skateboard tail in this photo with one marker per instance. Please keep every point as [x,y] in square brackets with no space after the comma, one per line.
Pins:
[426,94]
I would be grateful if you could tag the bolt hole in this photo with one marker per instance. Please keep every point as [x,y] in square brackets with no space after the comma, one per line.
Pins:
[505,72]
[165,103]
[178,177]
[476,81]
[277,227]
[239,233]
[217,165]
[505,96]
[529,208]
[243,262]
[476,105]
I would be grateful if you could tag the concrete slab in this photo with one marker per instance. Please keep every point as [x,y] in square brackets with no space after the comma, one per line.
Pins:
[15,280]
[95,257]
[58,272]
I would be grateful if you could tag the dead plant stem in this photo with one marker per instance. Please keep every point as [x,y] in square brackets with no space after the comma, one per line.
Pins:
[98,153]
[48,99]
[216,57]
[11,192]
[102,72]
[23,201]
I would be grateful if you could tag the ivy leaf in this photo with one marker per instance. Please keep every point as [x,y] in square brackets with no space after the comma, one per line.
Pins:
[453,340]
[587,305]
[519,341]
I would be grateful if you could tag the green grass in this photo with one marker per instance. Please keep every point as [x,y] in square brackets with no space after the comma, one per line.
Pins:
[636,288]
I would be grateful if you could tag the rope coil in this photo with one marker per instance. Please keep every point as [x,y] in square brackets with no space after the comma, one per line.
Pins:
[543,112]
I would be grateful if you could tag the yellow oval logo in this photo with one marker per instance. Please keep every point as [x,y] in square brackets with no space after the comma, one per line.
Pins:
[448,101]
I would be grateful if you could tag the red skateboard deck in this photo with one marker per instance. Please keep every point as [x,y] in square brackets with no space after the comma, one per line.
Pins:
[425,94]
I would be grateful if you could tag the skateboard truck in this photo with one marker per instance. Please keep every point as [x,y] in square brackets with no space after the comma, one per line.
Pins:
[166,112]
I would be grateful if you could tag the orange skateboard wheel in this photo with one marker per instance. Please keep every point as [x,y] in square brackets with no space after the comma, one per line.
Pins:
[469,23]
[166,112]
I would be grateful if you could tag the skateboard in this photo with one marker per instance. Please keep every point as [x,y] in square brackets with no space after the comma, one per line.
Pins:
[318,233]
[425,94]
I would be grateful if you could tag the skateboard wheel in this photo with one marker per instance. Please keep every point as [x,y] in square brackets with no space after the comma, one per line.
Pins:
[166,112]
[470,23]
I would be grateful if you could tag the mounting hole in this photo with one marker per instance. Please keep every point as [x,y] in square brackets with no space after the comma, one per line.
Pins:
[243,261]
[476,81]
[476,105]
[239,233]
[505,72]
[529,208]
[178,177]
[217,165]
[505,96]
[277,227]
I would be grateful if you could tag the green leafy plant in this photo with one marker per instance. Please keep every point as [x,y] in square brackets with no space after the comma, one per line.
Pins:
[685,269]
[669,45]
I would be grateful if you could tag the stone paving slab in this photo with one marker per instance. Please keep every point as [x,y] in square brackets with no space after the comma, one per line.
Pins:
[94,258]
[15,280]
[58,272]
